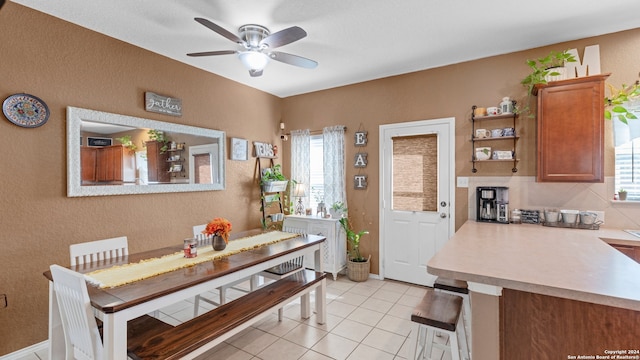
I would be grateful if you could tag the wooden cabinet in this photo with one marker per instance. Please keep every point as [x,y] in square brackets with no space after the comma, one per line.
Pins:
[88,163]
[107,164]
[334,248]
[157,165]
[570,130]
[629,250]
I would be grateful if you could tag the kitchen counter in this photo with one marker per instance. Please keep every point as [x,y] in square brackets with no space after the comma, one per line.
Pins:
[534,289]
[568,263]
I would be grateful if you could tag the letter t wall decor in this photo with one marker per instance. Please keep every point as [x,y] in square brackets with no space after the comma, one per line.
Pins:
[360,161]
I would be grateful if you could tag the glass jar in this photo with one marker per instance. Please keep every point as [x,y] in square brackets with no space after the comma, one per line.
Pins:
[516,216]
[190,248]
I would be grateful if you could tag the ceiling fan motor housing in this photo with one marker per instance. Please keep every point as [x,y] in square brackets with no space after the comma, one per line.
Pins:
[252,34]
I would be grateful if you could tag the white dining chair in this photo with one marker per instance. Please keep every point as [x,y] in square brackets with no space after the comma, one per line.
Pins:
[83,340]
[112,249]
[99,250]
[81,334]
[204,240]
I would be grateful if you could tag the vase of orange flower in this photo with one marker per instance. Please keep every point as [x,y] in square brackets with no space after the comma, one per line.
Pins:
[219,229]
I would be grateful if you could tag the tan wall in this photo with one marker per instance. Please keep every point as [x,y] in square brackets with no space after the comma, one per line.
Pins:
[66,65]
[449,91]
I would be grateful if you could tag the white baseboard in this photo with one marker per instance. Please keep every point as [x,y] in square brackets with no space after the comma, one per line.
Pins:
[26,351]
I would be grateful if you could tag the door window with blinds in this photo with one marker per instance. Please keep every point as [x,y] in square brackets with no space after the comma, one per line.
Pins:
[415,174]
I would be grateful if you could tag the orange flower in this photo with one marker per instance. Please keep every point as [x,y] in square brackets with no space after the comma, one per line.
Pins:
[219,227]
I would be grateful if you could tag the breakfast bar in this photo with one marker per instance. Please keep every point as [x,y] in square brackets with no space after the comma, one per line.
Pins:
[545,293]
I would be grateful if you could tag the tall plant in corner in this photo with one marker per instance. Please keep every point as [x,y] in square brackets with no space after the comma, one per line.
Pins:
[354,240]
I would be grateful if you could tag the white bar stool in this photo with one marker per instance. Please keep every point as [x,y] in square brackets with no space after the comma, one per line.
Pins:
[438,312]
[459,288]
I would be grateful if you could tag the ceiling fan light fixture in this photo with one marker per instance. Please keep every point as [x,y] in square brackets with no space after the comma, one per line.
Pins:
[253,60]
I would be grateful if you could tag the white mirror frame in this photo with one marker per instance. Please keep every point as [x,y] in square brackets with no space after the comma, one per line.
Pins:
[75,116]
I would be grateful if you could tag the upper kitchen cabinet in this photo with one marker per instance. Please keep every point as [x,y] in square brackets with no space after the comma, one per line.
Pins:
[570,135]
[107,164]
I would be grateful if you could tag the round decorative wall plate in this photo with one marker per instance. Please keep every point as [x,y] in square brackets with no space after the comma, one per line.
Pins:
[25,110]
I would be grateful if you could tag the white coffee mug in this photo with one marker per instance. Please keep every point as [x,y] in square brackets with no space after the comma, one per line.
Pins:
[482,133]
[494,110]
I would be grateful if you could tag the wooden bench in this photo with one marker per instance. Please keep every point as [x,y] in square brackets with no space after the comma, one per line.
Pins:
[202,333]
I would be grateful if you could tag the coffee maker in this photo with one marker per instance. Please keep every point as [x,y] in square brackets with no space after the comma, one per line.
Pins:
[492,204]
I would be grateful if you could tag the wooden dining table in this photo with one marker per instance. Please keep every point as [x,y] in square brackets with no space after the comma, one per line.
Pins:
[115,306]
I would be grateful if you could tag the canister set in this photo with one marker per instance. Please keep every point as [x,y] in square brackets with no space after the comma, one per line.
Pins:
[570,217]
[556,218]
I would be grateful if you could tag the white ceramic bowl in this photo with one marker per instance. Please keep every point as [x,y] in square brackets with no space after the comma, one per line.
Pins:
[483,153]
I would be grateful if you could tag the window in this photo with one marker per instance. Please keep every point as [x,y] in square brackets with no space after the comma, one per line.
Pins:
[628,168]
[316,179]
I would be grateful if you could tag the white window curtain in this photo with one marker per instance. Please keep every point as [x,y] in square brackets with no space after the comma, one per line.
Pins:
[334,165]
[300,158]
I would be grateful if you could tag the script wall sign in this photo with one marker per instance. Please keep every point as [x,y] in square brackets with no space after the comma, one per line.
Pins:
[162,104]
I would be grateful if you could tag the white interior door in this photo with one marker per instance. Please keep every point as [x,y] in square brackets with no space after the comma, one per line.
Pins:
[417,195]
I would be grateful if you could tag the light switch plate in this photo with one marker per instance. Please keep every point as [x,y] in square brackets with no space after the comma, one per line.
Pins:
[463,182]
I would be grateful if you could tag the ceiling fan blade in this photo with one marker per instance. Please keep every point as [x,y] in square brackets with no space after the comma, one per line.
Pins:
[284,37]
[255,73]
[293,59]
[211,53]
[220,30]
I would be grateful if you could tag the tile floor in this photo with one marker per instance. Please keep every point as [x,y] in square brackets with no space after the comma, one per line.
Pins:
[367,320]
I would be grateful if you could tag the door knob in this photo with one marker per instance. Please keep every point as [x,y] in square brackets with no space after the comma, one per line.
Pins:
[443,215]
[443,203]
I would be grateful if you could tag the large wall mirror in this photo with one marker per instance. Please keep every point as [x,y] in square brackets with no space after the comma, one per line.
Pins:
[111,154]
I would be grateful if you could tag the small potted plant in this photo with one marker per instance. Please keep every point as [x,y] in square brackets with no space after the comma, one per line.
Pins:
[338,210]
[272,179]
[358,266]
[548,68]
[622,194]
[543,70]
[159,136]
[126,142]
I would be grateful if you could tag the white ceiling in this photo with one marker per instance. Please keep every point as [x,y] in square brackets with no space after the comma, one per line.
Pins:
[352,40]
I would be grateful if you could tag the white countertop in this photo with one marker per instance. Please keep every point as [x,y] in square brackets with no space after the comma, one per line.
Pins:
[568,263]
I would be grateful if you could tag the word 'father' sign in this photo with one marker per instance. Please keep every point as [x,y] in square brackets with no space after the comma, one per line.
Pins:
[162,104]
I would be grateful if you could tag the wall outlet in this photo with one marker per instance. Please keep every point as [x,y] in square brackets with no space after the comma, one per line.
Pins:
[463,182]
[599,213]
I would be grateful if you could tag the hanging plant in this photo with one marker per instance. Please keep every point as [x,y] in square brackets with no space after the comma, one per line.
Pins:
[614,104]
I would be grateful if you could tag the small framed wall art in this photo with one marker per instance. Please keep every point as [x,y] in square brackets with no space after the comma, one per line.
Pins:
[99,141]
[239,149]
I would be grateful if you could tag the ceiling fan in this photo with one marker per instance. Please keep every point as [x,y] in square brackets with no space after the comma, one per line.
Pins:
[257,44]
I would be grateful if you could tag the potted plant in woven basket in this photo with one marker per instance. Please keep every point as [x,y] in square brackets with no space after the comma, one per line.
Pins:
[357,265]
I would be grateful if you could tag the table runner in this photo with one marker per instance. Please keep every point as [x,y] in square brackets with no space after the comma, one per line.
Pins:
[124,274]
